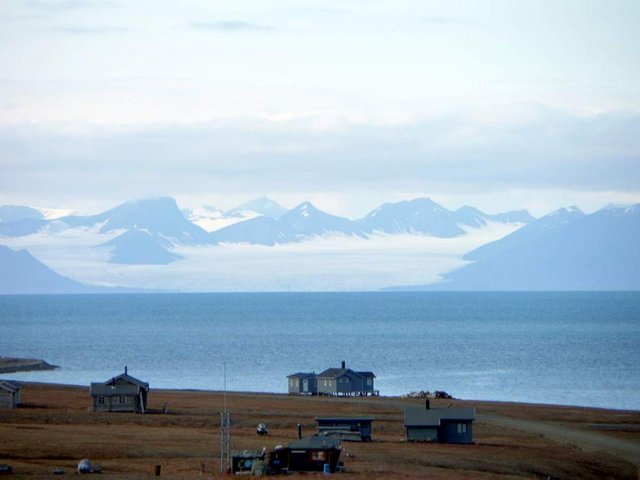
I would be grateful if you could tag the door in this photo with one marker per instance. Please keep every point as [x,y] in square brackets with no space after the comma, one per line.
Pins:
[305,385]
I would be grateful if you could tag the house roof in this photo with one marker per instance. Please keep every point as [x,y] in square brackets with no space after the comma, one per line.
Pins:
[10,386]
[338,372]
[301,375]
[315,442]
[423,417]
[123,384]
[129,379]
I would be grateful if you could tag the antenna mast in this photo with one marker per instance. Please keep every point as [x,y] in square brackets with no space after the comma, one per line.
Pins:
[225,437]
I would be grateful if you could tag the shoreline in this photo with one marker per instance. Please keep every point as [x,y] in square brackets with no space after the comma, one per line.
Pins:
[15,365]
[398,398]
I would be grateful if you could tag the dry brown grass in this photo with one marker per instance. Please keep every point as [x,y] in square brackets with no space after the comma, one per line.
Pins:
[55,428]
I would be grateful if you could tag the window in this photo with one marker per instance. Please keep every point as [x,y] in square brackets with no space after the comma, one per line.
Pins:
[461,428]
[101,400]
[369,381]
[122,399]
[318,456]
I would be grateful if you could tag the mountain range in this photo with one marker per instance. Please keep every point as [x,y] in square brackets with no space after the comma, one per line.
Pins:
[564,250]
[421,216]
[261,221]
[424,216]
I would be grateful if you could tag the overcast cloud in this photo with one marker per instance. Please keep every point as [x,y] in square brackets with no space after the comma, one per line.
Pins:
[530,104]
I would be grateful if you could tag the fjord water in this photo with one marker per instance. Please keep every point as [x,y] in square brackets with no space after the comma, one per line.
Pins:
[576,348]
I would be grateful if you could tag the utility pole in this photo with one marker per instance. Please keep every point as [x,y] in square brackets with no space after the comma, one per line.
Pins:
[225,436]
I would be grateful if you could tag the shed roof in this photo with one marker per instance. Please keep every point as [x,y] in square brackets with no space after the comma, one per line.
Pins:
[423,417]
[315,442]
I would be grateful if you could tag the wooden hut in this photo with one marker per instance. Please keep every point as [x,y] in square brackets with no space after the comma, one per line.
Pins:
[123,393]
[442,425]
[10,394]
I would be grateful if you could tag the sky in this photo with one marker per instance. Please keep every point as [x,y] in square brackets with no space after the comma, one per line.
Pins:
[497,104]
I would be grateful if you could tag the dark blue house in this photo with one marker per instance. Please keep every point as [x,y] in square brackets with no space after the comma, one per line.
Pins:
[346,382]
[442,425]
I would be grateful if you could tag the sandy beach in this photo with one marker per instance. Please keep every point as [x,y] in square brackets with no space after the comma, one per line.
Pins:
[54,428]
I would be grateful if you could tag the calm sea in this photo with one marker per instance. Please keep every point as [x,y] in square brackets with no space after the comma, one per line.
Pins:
[565,348]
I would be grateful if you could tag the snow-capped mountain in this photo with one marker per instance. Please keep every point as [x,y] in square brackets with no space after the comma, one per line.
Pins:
[211,219]
[424,216]
[565,250]
[305,220]
[259,206]
[257,231]
[160,217]
[299,223]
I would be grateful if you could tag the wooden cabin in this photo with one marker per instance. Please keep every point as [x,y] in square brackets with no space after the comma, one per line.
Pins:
[123,393]
[442,425]
[346,428]
[306,455]
[10,394]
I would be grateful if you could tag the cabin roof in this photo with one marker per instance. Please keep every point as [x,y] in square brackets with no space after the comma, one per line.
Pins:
[10,386]
[315,442]
[115,386]
[432,417]
[129,379]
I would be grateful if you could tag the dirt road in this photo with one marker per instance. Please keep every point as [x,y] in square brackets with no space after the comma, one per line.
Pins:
[624,449]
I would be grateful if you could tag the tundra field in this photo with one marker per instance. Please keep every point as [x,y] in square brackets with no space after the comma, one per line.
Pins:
[54,428]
